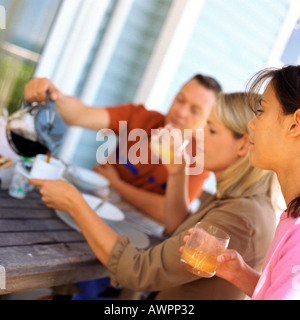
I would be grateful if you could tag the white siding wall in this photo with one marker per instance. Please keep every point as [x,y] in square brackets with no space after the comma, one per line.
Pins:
[232,41]
[126,68]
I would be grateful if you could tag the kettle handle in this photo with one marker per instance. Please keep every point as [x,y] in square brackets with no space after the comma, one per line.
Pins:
[49,102]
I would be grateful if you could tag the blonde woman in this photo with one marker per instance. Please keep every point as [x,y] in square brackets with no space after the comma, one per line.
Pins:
[234,173]
[242,207]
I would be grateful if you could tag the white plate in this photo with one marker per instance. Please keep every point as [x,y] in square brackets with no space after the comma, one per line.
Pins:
[86,179]
[107,211]
[67,219]
[135,236]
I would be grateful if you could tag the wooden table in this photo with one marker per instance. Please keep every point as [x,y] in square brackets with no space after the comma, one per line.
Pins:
[38,250]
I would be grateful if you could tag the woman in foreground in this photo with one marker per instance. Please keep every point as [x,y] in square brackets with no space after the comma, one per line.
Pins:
[275,145]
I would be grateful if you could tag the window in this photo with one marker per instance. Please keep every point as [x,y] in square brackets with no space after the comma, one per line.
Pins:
[291,54]
[117,75]
[232,41]
[229,40]
[22,42]
[137,50]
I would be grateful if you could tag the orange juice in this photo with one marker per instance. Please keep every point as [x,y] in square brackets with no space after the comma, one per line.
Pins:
[167,154]
[199,262]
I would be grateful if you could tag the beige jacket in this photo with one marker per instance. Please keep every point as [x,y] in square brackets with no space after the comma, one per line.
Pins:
[250,221]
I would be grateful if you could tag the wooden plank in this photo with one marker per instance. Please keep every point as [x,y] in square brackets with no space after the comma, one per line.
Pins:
[6,203]
[44,258]
[39,250]
[35,238]
[17,213]
[21,225]
[54,278]
[33,198]
[33,194]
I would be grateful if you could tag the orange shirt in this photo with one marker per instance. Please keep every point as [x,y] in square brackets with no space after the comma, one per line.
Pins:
[149,177]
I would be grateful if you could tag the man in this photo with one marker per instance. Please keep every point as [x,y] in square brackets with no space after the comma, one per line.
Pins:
[143,185]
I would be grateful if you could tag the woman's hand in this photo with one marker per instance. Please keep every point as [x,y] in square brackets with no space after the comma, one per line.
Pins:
[185,239]
[174,168]
[167,145]
[58,194]
[231,264]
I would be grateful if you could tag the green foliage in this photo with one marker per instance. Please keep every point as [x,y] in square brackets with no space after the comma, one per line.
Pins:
[14,73]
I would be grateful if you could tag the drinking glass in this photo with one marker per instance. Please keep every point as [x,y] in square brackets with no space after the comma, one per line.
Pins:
[168,144]
[19,185]
[204,245]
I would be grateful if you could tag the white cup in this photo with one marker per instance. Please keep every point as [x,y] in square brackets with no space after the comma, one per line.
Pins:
[48,171]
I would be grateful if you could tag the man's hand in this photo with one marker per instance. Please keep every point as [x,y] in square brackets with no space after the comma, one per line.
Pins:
[36,90]
[109,172]
[73,111]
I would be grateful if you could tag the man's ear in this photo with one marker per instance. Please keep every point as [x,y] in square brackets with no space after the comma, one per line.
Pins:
[244,145]
[294,126]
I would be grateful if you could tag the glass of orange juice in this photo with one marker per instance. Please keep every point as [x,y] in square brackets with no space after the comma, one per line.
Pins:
[204,245]
[168,144]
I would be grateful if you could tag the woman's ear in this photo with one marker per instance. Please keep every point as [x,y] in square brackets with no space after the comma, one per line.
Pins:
[294,127]
[243,146]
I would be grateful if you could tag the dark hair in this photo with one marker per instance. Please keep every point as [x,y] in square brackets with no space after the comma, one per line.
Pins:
[209,83]
[286,84]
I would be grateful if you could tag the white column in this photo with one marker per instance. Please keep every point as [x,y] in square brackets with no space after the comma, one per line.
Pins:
[109,42]
[68,48]
[80,41]
[168,53]
[284,34]
[98,70]
[2,21]
[57,39]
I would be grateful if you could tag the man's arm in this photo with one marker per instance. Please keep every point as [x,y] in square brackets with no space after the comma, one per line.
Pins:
[73,111]
[149,202]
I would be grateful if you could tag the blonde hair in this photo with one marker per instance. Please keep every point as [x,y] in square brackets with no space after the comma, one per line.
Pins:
[241,176]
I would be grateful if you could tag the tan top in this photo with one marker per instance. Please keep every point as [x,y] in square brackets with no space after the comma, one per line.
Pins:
[250,221]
